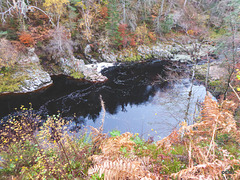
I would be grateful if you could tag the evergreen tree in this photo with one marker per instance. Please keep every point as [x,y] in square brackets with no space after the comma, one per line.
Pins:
[113,22]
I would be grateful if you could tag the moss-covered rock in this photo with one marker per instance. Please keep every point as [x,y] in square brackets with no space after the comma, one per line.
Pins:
[77,75]
[10,82]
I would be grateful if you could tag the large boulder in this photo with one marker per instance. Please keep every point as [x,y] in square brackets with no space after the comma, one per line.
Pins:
[91,72]
[37,79]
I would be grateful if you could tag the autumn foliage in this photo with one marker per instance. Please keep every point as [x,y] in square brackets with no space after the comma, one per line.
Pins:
[26,39]
[104,12]
[126,37]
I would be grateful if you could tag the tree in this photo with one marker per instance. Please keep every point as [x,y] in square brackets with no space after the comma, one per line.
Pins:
[9,8]
[113,22]
[60,44]
[230,42]
[55,8]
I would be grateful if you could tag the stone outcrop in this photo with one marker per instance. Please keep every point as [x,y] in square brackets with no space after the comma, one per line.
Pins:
[216,71]
[36,77]
[159,51]
[91,72]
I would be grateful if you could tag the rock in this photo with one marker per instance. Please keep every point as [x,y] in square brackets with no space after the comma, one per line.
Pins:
[173,49]
[216,71]
[109,56]
[161,53]
[182,58]
[28,67]
[157,51]
[92,72]
[29,57]
[88,50]
[68,65]
[38,78]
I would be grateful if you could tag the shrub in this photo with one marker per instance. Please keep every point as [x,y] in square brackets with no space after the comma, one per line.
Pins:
[8,53]
[60,44]
[104,12]
[26,39]
[48,152]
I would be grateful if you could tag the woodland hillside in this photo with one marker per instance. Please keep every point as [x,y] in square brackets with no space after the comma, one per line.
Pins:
[50,37]
[65,27]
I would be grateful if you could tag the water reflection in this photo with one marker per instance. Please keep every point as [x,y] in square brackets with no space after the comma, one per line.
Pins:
[132,100]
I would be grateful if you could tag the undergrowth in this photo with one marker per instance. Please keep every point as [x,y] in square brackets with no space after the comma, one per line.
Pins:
[35,149]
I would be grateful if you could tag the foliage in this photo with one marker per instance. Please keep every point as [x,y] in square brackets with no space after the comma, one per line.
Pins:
[113,23]
[10,81]
[47,152]
[3,33]
[55,6]
[114,133]
[77,75]
[124,39]
[26,39]
[167,25]
[142,34]
[61,44]
[104,12]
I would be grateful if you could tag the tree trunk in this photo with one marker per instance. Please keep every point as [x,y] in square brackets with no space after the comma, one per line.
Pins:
[207,74]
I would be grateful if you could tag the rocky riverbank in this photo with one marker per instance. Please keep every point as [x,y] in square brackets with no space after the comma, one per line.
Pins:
[37,77]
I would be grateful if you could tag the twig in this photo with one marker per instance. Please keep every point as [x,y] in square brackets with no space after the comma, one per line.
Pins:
[234,91]
[104,114]
[212,141]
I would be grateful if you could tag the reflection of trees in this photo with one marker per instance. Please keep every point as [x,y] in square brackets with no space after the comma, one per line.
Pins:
[126,85]
[131,85]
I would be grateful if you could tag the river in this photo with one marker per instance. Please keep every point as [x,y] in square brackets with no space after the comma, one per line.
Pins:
[145,98]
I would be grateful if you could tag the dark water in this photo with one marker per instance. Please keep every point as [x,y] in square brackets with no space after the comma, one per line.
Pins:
[135,98]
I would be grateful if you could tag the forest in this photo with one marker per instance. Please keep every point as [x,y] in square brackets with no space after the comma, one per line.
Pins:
[44,39]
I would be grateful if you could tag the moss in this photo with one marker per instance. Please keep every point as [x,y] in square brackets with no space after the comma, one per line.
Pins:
[201,71]
[216,87]
[214,83]
[133,58]
[228,142]
[77,75]
[10,82]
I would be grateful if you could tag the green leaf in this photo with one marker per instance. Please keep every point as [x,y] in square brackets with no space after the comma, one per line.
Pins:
[2,33]
[12,165]
[138,140]
[114,133]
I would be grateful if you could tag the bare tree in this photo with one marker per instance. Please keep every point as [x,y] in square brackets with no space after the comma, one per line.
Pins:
[61,43]
[20,7]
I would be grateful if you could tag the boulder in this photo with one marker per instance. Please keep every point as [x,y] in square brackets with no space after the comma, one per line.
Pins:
[108,56]
[29,57]
[37,78]
[182,58]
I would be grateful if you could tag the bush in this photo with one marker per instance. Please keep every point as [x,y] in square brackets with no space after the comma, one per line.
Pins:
[61,44]
[167,25]
[48,152]
[8,53]
[26,39]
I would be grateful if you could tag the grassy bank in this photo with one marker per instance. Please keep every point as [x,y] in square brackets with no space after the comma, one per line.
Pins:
[209,149]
